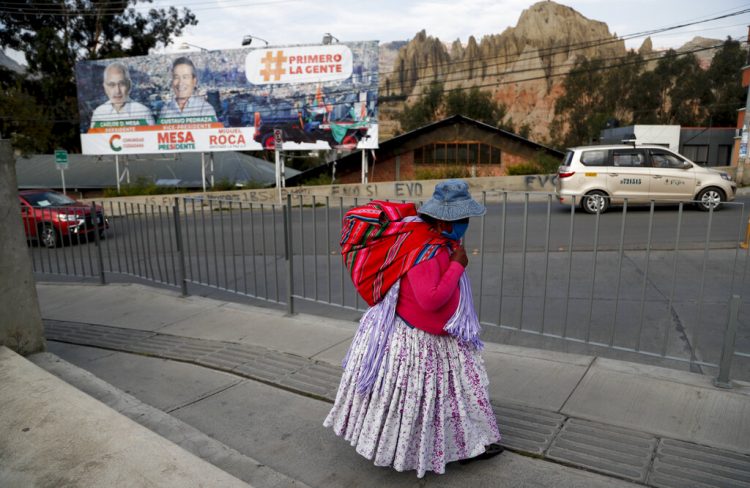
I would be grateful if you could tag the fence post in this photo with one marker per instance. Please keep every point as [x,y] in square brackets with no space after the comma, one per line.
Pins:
[97,241]
[289,252]
[180,254]
[727,348]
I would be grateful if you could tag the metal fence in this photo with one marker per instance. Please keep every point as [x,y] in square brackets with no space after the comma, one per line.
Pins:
[640,283]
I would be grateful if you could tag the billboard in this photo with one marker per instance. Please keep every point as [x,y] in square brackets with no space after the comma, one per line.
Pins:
[312,96]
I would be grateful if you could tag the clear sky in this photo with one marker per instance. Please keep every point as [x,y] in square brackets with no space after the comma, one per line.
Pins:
[222,23]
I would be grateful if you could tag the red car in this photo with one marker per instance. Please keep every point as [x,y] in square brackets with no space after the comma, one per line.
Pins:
[50,218]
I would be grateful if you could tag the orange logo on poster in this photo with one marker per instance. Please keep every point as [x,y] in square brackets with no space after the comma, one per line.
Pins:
[115,142]
[273,65]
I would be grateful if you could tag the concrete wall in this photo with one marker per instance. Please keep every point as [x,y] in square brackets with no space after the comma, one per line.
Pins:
[20,318]
[397,190]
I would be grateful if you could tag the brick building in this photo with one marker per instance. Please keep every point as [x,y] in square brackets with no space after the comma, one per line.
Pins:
[452,147]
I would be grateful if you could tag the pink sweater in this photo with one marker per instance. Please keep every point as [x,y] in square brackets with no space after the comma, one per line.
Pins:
[429,293]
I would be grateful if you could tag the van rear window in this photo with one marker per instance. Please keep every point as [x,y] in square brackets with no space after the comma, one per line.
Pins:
[594,158]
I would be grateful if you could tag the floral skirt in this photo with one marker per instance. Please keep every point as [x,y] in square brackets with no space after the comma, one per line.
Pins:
[428,406]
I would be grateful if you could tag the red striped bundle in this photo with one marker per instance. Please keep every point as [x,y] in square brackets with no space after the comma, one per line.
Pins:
[379,244]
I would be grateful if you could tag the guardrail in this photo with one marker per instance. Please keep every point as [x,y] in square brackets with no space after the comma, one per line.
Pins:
[645,284]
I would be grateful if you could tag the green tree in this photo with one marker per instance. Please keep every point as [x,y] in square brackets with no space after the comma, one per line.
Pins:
[525,130]
[23,121]
[581,112]
[475,104]
[724,76]
[675,92]
[55,34]
[645,102]
[621,80]
[424,110]
[435,104]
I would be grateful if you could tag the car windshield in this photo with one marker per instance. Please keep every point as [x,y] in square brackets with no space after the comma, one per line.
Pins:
[48,199]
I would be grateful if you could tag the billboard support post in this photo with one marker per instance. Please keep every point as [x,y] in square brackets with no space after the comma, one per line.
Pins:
[364,167]
[211,168]
[62,175]
[203,171]
[117,171]
[278,171]
[278,145]
[125,173]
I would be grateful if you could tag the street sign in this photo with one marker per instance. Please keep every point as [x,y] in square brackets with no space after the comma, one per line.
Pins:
[61,161]
[278,138]
[61,158]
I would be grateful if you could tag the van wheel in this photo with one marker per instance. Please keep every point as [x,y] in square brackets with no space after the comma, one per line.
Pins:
[48,236]
[595,202]
[709,198]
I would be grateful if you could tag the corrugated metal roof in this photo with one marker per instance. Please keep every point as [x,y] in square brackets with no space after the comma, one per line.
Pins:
[93,172]
[354,159]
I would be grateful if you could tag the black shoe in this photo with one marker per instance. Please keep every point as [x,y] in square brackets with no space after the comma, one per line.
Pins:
[489,452]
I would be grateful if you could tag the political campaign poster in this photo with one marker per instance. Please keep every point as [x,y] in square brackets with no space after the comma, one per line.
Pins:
[316,97]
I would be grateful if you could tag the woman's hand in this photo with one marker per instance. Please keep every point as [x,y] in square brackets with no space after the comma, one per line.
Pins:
[459,255]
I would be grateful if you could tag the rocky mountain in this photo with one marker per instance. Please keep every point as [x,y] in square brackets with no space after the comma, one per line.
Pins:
[523,67]
[703,49]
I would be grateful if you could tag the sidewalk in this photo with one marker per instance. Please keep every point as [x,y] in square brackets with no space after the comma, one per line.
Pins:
[625,421]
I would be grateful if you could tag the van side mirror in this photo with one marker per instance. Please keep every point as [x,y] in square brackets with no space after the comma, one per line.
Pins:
[686,165]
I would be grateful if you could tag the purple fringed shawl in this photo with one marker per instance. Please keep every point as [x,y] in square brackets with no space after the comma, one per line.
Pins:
[378,322]
[464,324]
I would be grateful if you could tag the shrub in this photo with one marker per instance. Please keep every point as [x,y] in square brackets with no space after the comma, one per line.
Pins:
[323,179]
[442,172]
[142,186]
[523,169]
[546,162]
[145,186]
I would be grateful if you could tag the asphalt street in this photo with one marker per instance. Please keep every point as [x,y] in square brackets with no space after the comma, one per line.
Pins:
[621,284]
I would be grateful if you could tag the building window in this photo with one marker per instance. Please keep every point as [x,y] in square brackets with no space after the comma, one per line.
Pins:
[696,153]
[457,153]
[441,154]
[484,154]
[724,155]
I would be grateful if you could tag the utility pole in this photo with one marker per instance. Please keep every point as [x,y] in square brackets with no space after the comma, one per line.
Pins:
[742,176]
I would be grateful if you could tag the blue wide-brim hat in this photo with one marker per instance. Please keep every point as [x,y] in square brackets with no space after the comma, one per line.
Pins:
[452,201]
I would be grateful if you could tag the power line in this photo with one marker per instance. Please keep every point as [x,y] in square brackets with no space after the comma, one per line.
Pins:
[551,67]
[333,93]
[556,75]
[558,49]
[62,9]
[545,52]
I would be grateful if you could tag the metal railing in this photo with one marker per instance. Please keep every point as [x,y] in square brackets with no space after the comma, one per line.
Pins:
[643,284]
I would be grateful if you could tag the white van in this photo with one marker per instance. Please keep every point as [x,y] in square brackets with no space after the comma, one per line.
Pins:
[598,176]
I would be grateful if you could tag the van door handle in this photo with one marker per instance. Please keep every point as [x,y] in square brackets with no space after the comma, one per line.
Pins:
[657,177]
[614,174]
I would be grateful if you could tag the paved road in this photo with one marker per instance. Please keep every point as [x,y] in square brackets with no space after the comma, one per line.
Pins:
[646,297]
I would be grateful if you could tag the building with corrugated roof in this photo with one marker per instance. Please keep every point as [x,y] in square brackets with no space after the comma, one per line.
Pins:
[89,175]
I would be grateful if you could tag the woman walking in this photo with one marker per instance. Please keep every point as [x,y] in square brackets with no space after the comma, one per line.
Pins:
[413,394]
